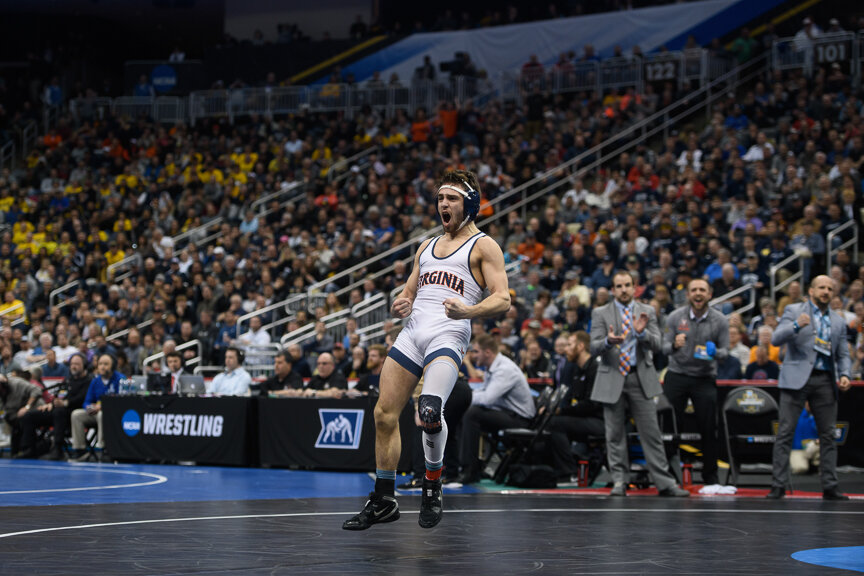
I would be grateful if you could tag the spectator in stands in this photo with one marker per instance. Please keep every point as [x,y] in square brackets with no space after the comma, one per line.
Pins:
[535,362]
[63,349]
[226,335]
[743,47]
[762,368]
[143,89]
[736,346]
[793,296]
[726,284]
[504,401]
[327,382]
[52,368]
[254,341]
[69,397]
[206,332]
[234,380]
[285,381]
[106,380]
[358,28]
[368,383]
[811,246]
[17,397]
[763,338]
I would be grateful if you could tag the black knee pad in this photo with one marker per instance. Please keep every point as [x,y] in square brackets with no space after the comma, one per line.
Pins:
[429,409]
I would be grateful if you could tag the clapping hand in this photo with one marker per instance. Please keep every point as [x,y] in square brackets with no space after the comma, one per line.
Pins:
[641,323]
[612,338]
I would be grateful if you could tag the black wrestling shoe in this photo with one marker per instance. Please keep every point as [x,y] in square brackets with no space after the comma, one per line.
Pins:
[378,509]
[431,507]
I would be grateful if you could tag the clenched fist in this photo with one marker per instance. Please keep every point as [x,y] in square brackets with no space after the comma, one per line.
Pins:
[401,308]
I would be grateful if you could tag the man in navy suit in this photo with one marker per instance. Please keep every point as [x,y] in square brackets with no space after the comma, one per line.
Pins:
[816,367]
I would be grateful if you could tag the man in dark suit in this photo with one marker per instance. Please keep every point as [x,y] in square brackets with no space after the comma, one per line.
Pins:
[816,365]
[625,336]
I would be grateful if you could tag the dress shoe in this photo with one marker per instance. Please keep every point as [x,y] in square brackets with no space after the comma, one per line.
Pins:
[834,494]
[465,479]
[414,484]
[24,454]
[54,455]
[618,490]
[85,457]
[776,493]
[674,492]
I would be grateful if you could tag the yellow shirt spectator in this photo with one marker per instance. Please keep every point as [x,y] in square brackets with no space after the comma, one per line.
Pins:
[12,308]
[114,255]
[20,230]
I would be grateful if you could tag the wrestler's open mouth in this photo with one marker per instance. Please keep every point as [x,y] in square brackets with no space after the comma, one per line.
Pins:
[445,217]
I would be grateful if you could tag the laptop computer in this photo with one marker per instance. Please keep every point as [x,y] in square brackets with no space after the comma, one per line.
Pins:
[159,383]
[138,384]
[192,385]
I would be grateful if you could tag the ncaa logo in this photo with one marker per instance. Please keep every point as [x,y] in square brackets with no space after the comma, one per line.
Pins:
[339,428]
[131,423]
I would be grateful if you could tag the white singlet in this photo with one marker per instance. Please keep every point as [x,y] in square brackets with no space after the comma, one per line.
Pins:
[429,333]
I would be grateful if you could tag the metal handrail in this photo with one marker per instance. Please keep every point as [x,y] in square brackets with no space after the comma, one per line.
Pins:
[345,163]
[180,348]
[57,291]
[125,332]
[183,235]
[775,268]
[267,198]
[201,369]
[319,286]
[112,268]
[8,311]
[7,154]
[303,331]
[751,288]
[28,138]
[829,242]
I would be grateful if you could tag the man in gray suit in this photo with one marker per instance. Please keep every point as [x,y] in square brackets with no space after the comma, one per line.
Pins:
[625,336]
[817,363]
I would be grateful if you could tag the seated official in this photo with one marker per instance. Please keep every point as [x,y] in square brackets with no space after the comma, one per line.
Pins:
[174,368]
[52,368]
[235,380]
[105,381]
[284,382]
[17,397]
[70,397]
[579,417]
[327,382]
[504,401]
[763,368]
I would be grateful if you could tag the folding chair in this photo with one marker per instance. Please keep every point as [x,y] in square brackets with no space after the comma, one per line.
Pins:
[750,425]
[518,442]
